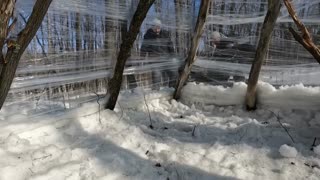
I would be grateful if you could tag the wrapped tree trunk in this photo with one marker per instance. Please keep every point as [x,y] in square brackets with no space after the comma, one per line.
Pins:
[16,47]
[114,84]
[265,37]
[184,74]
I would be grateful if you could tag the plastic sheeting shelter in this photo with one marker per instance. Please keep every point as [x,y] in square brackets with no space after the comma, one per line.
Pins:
[72,56]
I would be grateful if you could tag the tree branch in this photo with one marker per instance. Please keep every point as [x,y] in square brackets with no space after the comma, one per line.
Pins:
[14,53]
[35,20]
[38,40]
[305,40]
[287,131]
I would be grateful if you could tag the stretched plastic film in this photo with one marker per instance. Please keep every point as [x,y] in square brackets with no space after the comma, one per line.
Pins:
[74,52]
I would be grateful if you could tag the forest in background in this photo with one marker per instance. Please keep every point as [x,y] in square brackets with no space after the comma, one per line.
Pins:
[75,48]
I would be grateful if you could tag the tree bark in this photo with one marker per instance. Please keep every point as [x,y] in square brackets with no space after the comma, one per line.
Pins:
[184,74]
[265,37]
[37,38]
[17,48]
[305,40]
[6,12]
[114,84]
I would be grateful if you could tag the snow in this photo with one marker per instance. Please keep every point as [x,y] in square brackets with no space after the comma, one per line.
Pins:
[294,96]
[288,151]
[208,135]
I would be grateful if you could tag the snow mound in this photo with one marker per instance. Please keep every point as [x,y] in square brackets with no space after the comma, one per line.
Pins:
[295,96]
[288,151]
[219,95]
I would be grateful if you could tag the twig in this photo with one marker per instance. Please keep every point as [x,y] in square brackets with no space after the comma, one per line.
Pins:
[313,144]
[41,158]
[194,128]
[121,111]
[38,99]
[99,105]
[145,101]
[31,170]
[278,119]
[177,172]
[244,134]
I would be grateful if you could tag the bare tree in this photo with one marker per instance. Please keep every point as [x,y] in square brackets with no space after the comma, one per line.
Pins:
[184,74]
[114,84]
[266,34]
[16,47]
[305,40]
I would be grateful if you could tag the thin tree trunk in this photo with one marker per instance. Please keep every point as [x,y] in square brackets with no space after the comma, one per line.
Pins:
[78,32]
[67,33]
[266,34]
[114,84]
[202,16]
[91,33]
[16,48]
[178,27]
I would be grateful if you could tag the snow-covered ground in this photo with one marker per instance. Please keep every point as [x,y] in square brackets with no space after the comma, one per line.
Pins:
[149,136]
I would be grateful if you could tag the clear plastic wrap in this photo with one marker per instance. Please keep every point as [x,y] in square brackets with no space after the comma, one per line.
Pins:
[73,54]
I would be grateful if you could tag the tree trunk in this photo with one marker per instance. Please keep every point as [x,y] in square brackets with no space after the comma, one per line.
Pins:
[114,84]
[265,37]
[36,37]
[203,12]
[6,12]
[16,48]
